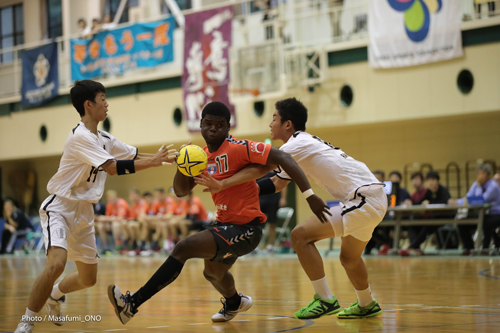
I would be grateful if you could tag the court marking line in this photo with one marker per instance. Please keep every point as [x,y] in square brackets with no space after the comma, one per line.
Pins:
[275,318]
[157,326]
[483,273]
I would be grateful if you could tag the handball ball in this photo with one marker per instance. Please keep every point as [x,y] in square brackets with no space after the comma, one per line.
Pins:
[192,160]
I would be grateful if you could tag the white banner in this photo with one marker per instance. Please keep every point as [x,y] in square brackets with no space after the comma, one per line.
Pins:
[413,32]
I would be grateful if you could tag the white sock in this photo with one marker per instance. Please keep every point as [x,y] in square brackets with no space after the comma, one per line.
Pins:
[30,314]
[322,288]
[364,296]
[56,293]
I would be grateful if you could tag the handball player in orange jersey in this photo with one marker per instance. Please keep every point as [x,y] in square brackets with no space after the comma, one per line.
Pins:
[239,219]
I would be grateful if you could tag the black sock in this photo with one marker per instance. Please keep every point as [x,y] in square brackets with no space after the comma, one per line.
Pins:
[233,302]
[164,276]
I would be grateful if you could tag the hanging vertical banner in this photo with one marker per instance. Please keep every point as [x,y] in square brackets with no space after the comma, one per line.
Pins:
[40,75]
[413,32]
[207,40]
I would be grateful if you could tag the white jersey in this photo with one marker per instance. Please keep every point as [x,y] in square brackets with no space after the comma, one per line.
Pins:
[329,167]
[80,176]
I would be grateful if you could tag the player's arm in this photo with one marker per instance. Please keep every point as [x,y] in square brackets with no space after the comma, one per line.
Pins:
[122,167]
[183,184]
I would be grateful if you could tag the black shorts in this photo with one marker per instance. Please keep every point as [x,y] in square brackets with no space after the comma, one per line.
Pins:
[269,205]
[235,240]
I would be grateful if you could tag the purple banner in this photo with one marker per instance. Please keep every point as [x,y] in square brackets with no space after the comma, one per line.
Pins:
[205,79]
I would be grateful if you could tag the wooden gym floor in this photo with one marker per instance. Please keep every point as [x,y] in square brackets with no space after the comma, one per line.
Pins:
[426,294]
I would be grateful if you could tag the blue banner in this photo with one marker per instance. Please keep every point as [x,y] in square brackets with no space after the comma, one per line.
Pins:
[120,50]
[40,75]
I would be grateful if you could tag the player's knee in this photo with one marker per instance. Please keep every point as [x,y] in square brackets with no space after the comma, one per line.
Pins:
[211,275]
[348,262]
[181,250]
[55,269]
[299,235]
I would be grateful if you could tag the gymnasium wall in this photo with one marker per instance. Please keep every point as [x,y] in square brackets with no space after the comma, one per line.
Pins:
[387,146]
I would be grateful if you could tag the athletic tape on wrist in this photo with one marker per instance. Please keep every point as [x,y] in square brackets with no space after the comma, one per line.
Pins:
[307,193]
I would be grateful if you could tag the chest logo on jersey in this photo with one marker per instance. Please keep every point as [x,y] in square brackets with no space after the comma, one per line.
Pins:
[212,168]
[258,147]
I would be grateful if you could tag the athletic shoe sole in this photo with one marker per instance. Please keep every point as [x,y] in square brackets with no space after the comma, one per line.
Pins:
[374,314]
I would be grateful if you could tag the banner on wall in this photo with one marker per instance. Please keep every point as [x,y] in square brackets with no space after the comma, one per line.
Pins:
[206,62]
[120,50]
[413,32]
[40,75]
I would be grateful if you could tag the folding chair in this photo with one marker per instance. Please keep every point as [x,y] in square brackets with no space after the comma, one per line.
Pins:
[284,232]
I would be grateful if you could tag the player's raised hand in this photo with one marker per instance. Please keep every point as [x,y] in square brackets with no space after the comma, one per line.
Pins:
[166,154]
[319,207]
[213,185]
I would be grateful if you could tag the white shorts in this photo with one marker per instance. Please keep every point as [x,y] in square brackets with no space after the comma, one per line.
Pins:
[69,224]
[360,216]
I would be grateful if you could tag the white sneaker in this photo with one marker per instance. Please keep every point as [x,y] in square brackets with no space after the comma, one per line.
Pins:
[122,303]
[54,310]
[24,327]
[227,315]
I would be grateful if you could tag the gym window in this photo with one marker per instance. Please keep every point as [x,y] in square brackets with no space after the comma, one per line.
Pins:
[11,30]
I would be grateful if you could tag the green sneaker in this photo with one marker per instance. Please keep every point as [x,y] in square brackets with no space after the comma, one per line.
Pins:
[318,307]
[357,312]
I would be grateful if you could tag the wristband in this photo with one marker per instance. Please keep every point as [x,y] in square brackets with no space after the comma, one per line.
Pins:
[125,167]
[308,193]
[266,186]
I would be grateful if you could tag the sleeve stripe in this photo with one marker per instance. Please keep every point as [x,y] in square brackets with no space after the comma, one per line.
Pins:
[111,159]
[136,153]
[284,178]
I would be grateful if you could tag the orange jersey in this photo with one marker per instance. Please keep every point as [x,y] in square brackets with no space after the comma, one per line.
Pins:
[196,208]
[138,209]
[182,208]
[166,206]
[120,209]
[238,204]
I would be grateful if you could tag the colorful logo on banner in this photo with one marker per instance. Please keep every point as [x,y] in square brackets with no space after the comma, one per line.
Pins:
[417,16]
[120,50]
[206,62]
[40,75]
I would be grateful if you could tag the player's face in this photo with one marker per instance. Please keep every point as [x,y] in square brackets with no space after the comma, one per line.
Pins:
[276,127]
[99,108]
[214,129]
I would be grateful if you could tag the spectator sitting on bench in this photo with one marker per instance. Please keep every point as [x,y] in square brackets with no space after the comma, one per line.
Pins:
[436,194]
[417,180]
[17,225]
[489,189]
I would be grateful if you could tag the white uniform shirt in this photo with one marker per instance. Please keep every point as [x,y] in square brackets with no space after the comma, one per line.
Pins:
[329,167]
[80,176]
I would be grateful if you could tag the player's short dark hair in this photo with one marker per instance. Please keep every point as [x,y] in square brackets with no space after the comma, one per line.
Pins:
[216,109]
[397,173]
[379,172]
[147,194]
[160,189]
[417,174]
[81,19]
[432,175]
[84,90]
[293,110]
